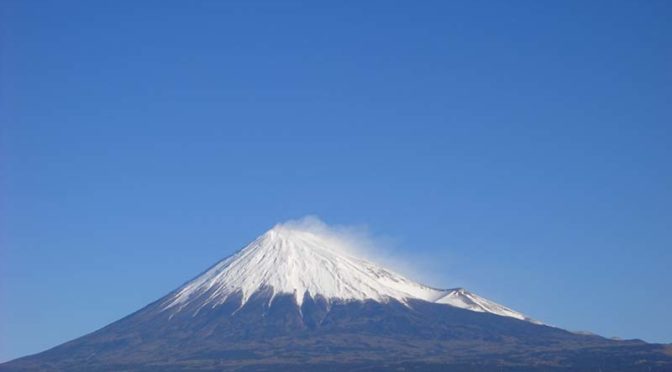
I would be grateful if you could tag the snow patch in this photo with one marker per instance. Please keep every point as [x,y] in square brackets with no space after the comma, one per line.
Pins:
[289,259]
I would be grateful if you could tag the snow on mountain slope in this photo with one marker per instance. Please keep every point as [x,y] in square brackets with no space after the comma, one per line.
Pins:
[288,260]
[460,297]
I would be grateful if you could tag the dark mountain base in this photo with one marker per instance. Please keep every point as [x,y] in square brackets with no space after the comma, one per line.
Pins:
[355,336]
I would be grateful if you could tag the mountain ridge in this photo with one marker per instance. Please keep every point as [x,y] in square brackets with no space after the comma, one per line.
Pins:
[245,313]
[299,261]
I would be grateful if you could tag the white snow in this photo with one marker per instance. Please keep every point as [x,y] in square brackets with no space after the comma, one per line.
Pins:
[460,297]
[289,260]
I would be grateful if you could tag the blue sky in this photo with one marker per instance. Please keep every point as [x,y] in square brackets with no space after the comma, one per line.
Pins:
[521,150]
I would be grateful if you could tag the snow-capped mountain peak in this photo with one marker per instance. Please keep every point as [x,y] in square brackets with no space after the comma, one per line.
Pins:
[300,262]
[460,297]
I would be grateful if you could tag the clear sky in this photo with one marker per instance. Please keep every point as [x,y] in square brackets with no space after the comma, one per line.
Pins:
[521,150]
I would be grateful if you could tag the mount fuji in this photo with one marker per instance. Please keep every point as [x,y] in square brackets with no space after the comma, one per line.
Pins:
[305,264]
[300,299]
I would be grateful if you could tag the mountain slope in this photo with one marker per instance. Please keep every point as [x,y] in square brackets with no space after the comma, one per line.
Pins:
[296,300]
[297,262]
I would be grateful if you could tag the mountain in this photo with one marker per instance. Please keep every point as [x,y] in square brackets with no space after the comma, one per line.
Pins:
[297,299]
[290,261]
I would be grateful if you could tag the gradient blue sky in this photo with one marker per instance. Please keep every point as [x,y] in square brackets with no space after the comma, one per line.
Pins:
[521,150]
